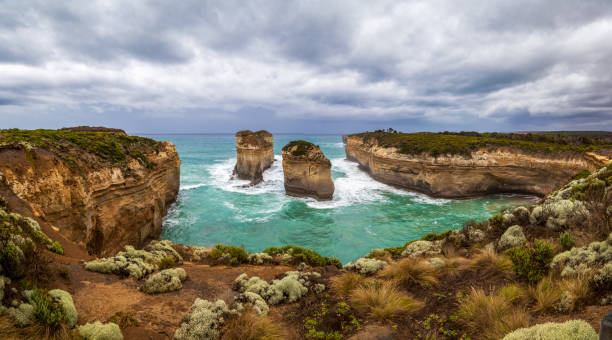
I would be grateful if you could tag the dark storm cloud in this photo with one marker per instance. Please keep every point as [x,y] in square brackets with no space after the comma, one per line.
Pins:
[309,65]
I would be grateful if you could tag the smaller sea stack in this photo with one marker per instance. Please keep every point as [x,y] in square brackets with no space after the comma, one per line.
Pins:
[254,154]
[307,171]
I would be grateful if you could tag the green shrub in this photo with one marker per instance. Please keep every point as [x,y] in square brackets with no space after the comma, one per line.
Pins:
[566,240]
[237,255]
[47,310]
[301,147]
[165,263]
[531,263]
[582,174]
[496,223]
[56,247]
[300,254]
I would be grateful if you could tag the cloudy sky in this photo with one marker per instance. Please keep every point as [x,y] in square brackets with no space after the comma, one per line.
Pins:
[307,66]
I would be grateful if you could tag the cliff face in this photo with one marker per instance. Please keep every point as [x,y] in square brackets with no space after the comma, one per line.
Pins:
[487,171]
[101,204]
[254,154]
[307,171]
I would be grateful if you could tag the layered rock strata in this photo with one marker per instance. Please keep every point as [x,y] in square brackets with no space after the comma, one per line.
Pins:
[94,201]
[486,170]
[254,154]
[307,171]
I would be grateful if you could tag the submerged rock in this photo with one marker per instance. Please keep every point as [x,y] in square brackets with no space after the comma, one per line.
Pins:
[254,154]
[307,171]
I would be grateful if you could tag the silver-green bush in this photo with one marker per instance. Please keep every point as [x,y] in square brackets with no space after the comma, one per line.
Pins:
[100,331]
[512,237]
[366,266]
[569,330]
[255,301]
[167,280]
[422,248]
[203,322]
[23,315]
[65,300]
[580,259]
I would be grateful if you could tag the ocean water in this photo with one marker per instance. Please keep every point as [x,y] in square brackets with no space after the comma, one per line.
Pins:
[364,214]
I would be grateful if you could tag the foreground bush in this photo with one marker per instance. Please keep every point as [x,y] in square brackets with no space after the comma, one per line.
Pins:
[382,300]
[546,295]
[167,280]
[490,316]
[288,289]
[569,330]
[203,322]
[488,264]
[100,331]
[235,255]
[300,254]
[531,263]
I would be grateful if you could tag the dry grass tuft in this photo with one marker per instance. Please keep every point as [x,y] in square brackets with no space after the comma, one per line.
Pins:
[251,326]
[491,316]
[412,272]
[545,294]
[490,264]
[454,266]
[343,285]
[578,289]
[382,300]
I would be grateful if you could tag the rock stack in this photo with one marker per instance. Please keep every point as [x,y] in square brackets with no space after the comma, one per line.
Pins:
[307,171]
[254,154]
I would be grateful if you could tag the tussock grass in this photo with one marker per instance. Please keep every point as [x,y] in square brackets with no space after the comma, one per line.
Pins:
[454,266]
[412,272]
[545,293]
[513,293]
[343,285]
[382,300]
[488,264]
[252,326]
[490,316]
[578,289]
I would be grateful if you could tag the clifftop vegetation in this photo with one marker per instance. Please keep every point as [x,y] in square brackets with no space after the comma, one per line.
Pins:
[70,144]
[463,143]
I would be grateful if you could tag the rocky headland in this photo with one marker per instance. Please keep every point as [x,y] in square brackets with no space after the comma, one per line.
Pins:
[254,154]
[462,165]
[307,171]
[100,188]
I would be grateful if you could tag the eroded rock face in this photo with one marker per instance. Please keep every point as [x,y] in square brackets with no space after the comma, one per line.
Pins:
[101,206]
[487,171]
[254,154]
[307,171]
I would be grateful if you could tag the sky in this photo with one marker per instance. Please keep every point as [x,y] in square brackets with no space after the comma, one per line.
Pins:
[306,66]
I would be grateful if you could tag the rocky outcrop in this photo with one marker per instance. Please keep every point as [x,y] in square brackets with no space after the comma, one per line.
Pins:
[487,170]
[307,171]
[254,154]
[103,190]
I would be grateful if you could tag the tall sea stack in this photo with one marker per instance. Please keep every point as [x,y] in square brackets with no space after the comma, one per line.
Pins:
[307,171]
[254,154]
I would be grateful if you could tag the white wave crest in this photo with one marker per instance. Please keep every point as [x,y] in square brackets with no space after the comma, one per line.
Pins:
[192,186]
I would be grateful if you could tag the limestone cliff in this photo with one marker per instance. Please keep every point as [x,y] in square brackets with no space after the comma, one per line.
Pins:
[254,154]
[307,171]
[484,170]
[101,189]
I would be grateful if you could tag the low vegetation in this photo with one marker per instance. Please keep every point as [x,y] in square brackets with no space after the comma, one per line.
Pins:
[300,254]
[464,143]
[230,254]
[70,144]
[531,262]
[382,300]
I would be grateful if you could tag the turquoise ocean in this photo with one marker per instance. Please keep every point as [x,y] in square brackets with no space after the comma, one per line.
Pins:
[364,214]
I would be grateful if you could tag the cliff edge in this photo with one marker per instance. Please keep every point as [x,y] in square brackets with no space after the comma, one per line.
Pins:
[99,187]
[460,165]
[307,171]
[254,154]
